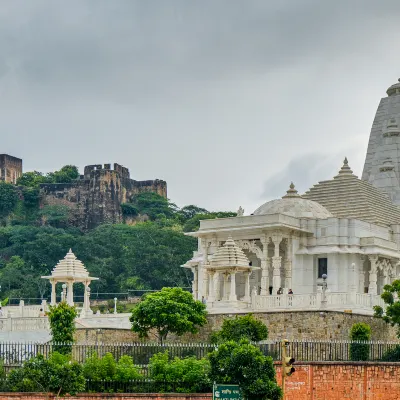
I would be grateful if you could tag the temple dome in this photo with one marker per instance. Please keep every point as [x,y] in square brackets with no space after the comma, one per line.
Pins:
[294,205]
[229,255]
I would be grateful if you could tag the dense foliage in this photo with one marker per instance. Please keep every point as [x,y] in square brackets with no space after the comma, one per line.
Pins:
[57,375]
[391,312]
[171,310]
[106,368]
[8,199]
[191,374]
[62,325]
[33,179]
[244,364]
[360,332]
[244,327]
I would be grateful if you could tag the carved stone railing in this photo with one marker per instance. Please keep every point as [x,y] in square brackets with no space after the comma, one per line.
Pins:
[334,301]
[24,324]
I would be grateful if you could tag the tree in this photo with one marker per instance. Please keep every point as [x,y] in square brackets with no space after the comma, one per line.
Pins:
[57,374]
[188,212]
[32,179]
[243,364]
[8,198]
[56,215]
[153,205]
[360,332]
[193,224]
[171,310]
[244,327]
[62,326]
[391,313]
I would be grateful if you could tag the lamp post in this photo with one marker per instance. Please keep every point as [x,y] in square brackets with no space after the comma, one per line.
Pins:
[115,305]
[324,287]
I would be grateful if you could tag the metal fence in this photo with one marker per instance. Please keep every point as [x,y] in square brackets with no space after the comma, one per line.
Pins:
[14,354]
[132,386]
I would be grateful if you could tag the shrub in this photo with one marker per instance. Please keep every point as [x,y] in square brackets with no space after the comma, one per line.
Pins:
[62,325]
[245,327]
[58,375]
[244,364]
[192,374]
[360,332]
[392,355]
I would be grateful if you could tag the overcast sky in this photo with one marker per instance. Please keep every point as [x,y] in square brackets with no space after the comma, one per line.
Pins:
[226,100]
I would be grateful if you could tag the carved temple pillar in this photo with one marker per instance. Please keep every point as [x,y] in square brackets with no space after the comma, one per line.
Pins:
[195,282]
[361,276]
[70,293]
[265,267]
[232,294]
[372,288]
[217,286]
[225,290]
[53,292]
[211,294]
[288,265]
[247,287]
[276,264]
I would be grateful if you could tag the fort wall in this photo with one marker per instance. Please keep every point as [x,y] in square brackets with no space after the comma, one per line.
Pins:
[10,168]
[96,197]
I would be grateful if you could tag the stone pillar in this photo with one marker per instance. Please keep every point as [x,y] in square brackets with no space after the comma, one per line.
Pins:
[361,276]
[288,265]
[225,294]
[372,288]
[211,294]
[85,296]
[265,267]
[205,283]
[276,264]
[232,294]
[53,293]
[195,282]
[217,286]
[352,284]
[70,293]
[247,298]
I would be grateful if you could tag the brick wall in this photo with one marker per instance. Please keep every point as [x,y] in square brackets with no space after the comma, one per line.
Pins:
[338,381]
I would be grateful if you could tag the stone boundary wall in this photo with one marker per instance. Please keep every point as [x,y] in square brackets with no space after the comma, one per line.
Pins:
[293,325]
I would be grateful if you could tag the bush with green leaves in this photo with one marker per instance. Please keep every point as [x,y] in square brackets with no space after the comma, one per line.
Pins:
[8,198]
[244,327]
[171,310]
[191,374]
[57,374]
[360,332]
[62,325]
[243,364]
[106,368]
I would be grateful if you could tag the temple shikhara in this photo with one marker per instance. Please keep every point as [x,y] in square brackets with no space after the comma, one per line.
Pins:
[333,247]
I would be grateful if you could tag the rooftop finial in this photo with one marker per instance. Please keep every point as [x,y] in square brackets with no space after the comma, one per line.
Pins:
[292,192]
[345,170]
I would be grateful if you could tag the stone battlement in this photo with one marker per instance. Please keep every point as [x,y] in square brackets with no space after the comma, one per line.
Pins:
[122,171]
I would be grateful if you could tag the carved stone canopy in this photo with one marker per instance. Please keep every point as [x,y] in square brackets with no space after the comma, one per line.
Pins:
[229,256]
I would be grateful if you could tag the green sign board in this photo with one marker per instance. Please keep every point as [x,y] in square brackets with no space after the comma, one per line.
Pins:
[227,392]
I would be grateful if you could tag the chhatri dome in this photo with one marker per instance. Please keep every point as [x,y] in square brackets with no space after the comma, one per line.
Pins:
[294,205]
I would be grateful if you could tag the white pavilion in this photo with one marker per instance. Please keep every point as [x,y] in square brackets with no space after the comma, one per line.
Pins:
[68,271]
[334,247]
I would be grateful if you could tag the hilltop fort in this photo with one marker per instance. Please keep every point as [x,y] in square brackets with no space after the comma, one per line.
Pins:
[95,197]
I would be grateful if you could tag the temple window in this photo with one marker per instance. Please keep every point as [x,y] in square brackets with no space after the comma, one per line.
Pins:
[322,267]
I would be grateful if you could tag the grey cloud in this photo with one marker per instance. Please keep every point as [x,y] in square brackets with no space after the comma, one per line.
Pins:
[303,171]
[128,49]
